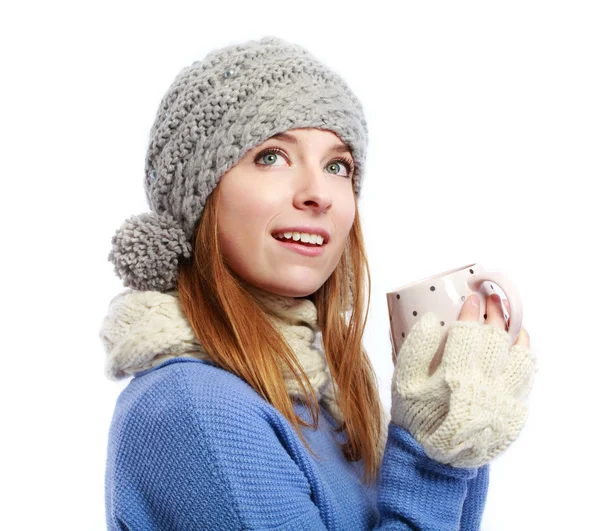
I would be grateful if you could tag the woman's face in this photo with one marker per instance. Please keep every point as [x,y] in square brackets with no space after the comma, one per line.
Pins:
[295,182]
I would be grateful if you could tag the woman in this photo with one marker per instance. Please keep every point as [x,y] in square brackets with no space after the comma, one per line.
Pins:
[249,262]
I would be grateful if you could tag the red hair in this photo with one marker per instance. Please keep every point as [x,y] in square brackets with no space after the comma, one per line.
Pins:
[237,335]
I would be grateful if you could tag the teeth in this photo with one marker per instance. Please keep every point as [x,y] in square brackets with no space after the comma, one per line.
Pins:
[301,236]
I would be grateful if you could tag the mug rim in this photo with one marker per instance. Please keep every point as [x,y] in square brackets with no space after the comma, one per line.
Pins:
[437,276]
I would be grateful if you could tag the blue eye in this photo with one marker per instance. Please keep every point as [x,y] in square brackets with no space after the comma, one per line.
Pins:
[269,157]
[334,165]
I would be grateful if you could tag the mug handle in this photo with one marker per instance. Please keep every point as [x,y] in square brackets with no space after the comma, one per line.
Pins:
[514,299]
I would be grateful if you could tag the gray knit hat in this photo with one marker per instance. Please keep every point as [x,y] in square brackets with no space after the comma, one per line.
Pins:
[214,112]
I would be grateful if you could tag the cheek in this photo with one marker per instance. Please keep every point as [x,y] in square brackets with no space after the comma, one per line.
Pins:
[347,214]
[344,220]
[235,204]
[243,218]
[236,249]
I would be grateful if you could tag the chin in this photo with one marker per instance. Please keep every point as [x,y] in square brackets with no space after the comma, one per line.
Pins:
[296,293]
[297,290]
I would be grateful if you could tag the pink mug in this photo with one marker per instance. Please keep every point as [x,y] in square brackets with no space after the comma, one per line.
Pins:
[444,294]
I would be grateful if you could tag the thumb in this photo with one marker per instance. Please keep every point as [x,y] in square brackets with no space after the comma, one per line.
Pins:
[422,342]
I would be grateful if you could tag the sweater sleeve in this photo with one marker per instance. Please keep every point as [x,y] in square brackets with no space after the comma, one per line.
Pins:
[227,462]
[475,502]
[417,492]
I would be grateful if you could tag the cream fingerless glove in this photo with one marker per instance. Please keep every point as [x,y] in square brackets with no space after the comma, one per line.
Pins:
[474,405]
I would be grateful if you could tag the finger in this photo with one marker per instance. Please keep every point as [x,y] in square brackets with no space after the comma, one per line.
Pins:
[494,314]
[523,338]
[470,309]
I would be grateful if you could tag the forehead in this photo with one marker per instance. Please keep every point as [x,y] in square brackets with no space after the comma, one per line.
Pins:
[326,138]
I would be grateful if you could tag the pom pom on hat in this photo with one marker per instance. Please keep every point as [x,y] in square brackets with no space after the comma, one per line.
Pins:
[146,252]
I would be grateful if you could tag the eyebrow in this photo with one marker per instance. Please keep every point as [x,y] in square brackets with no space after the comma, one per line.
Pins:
[285,137]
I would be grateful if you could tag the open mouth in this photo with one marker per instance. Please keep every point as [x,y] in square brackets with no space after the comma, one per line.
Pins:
[309,240]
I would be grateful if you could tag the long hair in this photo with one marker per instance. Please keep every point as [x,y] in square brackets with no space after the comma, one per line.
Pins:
[235,332]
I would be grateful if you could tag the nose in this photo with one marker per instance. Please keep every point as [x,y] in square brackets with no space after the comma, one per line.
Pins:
[313,192]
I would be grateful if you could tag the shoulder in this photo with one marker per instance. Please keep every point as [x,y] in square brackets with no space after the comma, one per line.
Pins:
[193,406]
[186,385]
[190,434]
[190,410]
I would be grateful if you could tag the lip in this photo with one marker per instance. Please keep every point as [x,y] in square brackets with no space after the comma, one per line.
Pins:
[309,230]
[301,249]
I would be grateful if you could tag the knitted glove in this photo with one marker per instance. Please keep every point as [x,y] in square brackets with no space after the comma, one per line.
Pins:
[473,405]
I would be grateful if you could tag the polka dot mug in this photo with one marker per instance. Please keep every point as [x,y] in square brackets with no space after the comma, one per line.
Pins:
[444,294]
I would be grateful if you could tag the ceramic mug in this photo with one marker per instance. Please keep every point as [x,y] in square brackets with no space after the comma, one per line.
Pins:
[444,294]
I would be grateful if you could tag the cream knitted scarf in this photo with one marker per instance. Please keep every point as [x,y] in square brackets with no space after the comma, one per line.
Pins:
[145,328]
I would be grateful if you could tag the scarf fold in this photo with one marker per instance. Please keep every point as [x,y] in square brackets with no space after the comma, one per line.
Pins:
[145,328]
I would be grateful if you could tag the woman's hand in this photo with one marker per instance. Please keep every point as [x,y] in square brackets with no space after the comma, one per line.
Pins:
[467,404]
[493,316]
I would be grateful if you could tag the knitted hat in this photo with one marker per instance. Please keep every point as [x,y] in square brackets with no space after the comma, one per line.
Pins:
[214,112]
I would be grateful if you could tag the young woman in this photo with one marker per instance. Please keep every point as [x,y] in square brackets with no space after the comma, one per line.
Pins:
[253,404]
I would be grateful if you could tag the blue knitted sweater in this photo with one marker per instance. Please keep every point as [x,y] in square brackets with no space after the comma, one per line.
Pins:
[192,446]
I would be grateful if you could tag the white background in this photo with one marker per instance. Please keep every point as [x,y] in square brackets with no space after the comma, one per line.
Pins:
[484,147]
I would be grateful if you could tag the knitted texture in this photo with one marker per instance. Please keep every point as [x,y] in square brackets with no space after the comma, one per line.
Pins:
[145,328]
[213,113]
[192,446]
[149,231]
[474,405]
